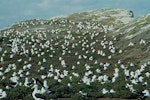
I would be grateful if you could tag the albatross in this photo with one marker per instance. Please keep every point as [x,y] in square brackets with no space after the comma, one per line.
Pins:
[2,94]
[37,94]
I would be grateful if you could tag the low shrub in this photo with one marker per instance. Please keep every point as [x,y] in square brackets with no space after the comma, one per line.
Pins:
[18,93]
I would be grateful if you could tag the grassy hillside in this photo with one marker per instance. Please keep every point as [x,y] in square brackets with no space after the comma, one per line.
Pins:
[95,54]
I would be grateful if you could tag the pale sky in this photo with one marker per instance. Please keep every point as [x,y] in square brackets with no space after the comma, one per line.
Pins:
[12,11]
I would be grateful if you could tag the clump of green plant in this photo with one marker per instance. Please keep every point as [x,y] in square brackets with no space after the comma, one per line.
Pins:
[19,92]
[77,96]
